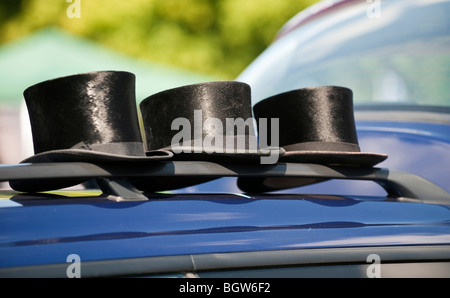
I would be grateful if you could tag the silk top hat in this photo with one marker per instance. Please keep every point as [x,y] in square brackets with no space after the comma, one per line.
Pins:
[89,117]
[316,125]
[207,121]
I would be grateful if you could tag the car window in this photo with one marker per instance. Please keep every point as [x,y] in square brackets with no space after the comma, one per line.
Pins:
[395,54]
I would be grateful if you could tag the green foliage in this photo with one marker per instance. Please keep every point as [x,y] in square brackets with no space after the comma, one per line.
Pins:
[215,37]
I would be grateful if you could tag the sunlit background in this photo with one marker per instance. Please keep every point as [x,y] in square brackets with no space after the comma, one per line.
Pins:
[165,43]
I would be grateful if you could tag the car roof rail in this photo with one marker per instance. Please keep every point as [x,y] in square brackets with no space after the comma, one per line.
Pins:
[114,181]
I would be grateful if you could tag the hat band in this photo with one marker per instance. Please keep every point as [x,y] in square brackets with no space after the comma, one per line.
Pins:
[125,148]
[323,146]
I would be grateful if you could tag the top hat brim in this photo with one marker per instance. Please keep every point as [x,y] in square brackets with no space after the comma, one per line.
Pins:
[81,155]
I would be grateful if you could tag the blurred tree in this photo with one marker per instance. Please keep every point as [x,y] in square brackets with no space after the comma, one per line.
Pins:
[9,9]
[215,37]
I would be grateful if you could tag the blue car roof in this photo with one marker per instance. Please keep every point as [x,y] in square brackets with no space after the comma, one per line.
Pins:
[46,229]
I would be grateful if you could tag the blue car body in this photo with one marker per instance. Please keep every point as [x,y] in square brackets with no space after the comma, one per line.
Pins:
[326,229]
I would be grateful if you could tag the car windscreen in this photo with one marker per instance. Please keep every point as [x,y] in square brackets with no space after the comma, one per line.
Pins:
[387,52]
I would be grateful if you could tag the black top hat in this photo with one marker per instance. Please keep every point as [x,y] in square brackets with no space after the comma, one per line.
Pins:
[316,125]
[209,121]
[89,117]
[206,121]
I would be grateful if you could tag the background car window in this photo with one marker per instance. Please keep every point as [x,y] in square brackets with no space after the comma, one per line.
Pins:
[401,55]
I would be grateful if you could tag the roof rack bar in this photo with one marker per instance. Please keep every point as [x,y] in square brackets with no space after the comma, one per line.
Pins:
[396,183]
